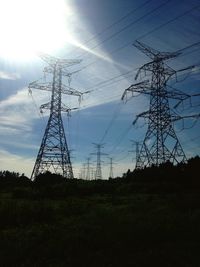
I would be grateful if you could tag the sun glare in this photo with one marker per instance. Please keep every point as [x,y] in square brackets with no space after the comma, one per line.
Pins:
[28,26]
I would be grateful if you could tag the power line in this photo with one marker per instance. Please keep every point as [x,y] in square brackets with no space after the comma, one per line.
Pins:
[117,22]
[121,137]
[114,117]
[108,80]
[188,47]
[168,22]
[127,26]
[144,35]
[91,88]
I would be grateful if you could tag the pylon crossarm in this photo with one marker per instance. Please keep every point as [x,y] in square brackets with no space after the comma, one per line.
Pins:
[67,109]
[143,114]
[187,68]
[168,71]
[69,62]
[69,74]
[149,51]
[65,72]
[142,87]
[194,116]
[70,91]
[176,94]
[146,67]
[45,106]
[41,86]
[53,60]
[48,69]
[47,58]
[150,66]
[153,53]
[167,55]
[64,108]
[176,117]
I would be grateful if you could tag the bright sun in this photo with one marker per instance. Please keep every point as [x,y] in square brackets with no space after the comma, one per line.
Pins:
[29,26]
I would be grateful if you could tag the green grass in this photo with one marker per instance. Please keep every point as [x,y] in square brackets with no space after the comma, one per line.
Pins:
[101,231]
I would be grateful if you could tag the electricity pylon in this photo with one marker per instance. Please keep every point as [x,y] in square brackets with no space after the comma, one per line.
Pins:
[111,169]
[160,143]
[83,171]
[88,169]
[136,151]
[98,173]
[54,154]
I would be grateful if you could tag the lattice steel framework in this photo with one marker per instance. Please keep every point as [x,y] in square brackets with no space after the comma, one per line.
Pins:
[160,143]
[136,151]
[98,172]
[88,169]
[111,168]
[54,155]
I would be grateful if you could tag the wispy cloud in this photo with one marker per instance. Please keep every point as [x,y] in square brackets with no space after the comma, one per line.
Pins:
[18,111]
[14,113]
[9,75]
[12,162]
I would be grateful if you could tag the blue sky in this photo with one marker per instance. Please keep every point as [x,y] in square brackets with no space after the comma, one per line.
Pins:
[101,33]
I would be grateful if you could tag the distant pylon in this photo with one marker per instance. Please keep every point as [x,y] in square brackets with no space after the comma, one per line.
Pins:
[160,143]
[83,171]
[111,169]
[137,151]
[88,169]
[98,173]
[92,173]
[54,154]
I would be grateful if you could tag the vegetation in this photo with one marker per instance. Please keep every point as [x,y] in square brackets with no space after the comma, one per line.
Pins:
[145,218]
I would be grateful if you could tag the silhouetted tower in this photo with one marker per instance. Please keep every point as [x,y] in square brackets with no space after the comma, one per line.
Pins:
[92,173]
[160,143]
[111,168]
[83,171]
[88,169]
[136,151]
[98,173]
[54,154]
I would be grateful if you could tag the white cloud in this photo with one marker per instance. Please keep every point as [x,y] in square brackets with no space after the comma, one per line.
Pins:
[18,111]
[15,163]
[13,114]
[9,75]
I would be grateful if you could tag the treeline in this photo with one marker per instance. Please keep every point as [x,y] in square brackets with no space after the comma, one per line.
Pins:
[149,217]
[167,171]
[166,178]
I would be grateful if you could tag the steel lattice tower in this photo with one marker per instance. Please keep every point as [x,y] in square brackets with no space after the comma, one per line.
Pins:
[111,168]
[136,151]
[54,154]
[160,143]
[88,169]
[98,173]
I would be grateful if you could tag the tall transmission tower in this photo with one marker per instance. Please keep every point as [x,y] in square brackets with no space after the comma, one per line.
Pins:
[111,168]
[98,173]
[160,143]
[88,169]
[83,171]
[54,154]
[136,151]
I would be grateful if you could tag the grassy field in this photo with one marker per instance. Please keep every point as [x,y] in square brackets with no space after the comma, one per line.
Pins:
[146,218]
[101,230]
